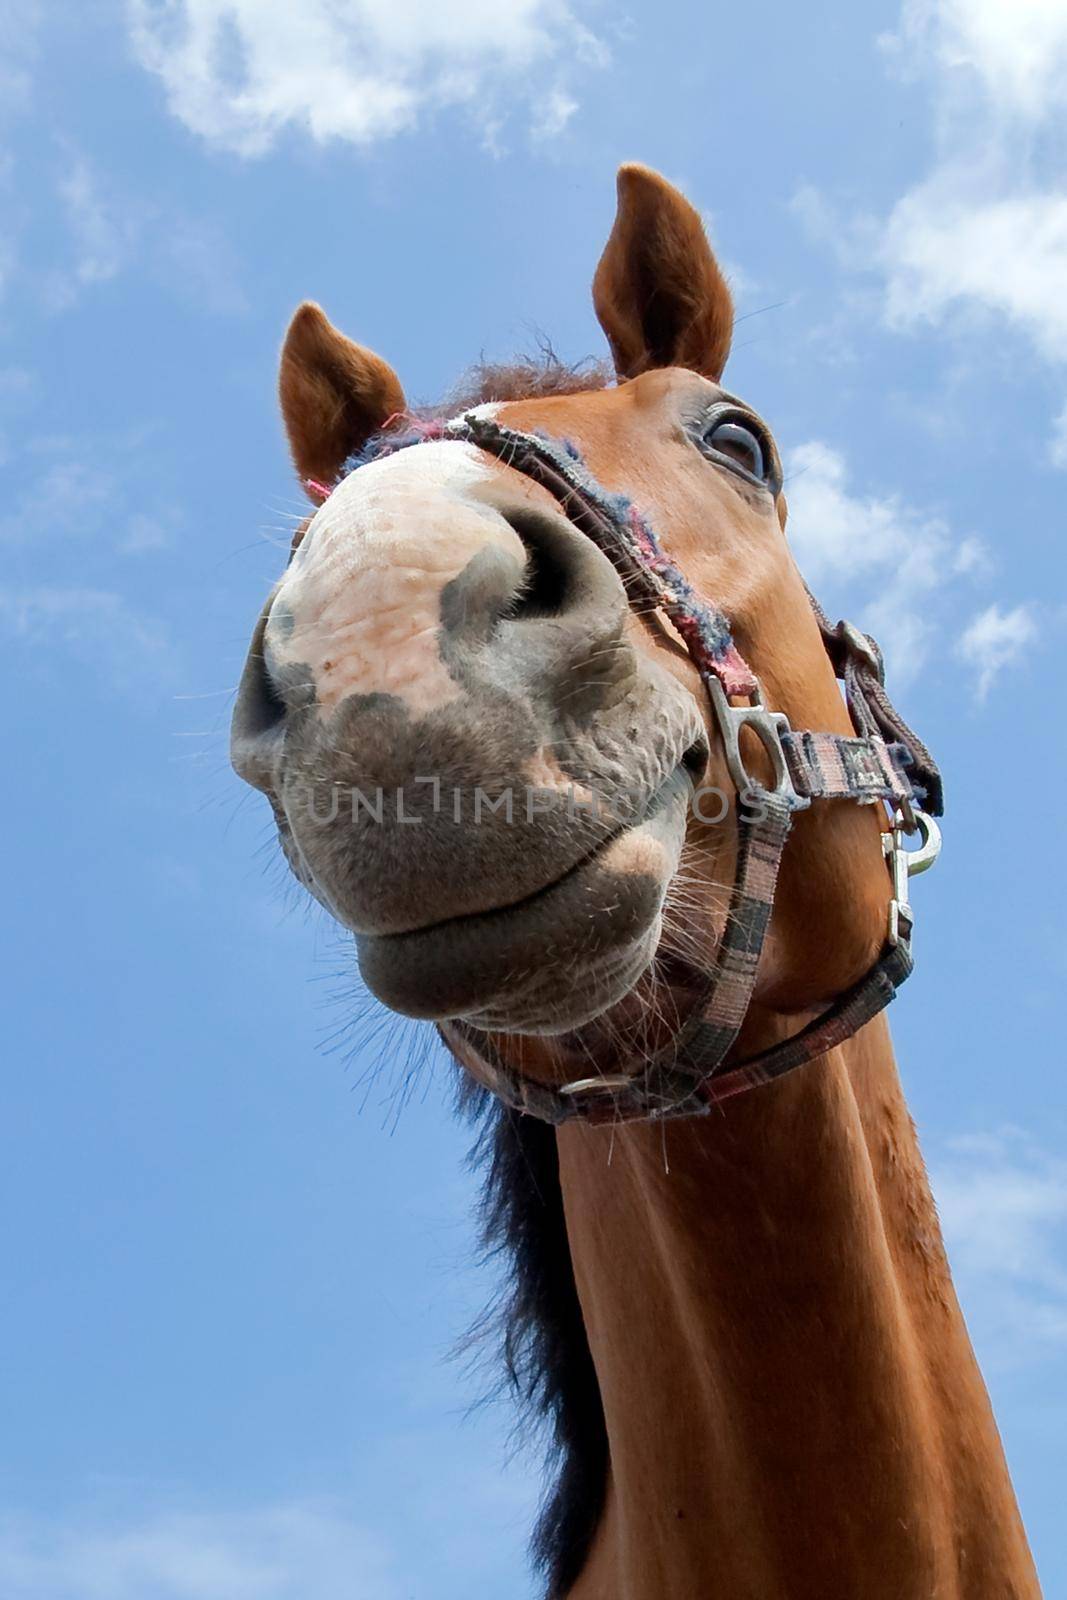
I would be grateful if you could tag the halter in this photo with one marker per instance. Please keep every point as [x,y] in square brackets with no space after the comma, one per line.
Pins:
[882,762]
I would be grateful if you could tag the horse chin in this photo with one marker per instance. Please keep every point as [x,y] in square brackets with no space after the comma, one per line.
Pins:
[640,1025]
[608,1015]
[566,1001]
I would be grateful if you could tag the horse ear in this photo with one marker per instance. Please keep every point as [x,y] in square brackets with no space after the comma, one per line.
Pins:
[658,291]
[334,394]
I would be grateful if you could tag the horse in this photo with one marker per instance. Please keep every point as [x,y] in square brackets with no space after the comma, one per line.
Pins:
[549,721]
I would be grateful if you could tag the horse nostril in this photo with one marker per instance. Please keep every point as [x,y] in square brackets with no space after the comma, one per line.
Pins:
[258,712]
[262,707]
[548,581]
[256,729]
[544,587]
[695,759]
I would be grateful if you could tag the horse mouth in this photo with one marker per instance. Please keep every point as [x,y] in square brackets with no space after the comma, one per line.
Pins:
[501,914]
[556,958]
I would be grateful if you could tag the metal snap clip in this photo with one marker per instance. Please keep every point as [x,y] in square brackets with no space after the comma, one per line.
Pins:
[904,864]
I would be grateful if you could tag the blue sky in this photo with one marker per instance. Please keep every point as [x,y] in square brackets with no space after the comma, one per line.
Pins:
[232,1268]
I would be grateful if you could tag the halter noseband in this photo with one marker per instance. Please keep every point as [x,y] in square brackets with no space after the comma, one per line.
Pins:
[883,761]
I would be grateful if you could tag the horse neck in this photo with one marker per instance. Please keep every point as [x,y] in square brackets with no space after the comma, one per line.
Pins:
[792,1403]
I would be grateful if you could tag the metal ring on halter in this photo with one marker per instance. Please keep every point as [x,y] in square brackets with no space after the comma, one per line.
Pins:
[768,726]
[590,1085]
[922,859]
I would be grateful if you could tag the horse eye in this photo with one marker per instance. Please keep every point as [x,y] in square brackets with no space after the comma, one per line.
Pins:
[741,445]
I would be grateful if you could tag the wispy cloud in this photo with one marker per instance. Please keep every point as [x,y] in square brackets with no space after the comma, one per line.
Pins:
[145,533]
[74,506]
[987,227]
[992,640]
[101,234]
[1012,52]
[194,259]
[19,26]
[95,626]
[74,489]
[890,565]
[293,1551]
[59,497]
[1003,1206]
[241,72]
[15,382]
[984,232]
[111,231]
[951,245]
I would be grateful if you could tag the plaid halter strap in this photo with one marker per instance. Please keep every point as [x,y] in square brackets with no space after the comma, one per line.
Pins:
[882,762]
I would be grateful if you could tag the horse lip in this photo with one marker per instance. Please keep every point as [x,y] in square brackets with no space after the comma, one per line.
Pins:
[508,908]
[460,966]
[511,907]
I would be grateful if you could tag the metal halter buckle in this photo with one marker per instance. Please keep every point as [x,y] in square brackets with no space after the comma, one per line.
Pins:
[904,864]
[768,726]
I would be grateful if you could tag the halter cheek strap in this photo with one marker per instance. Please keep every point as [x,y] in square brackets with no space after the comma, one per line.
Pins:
[882,761]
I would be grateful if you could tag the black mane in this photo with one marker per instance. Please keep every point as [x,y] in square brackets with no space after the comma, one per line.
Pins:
[538,1323]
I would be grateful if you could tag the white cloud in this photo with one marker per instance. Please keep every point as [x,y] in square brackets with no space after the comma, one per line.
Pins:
[240,72]
[895,570]
[878,558]
[285,1552]
[552,116]
[946,246]
[987,227]
[992,640]
[1016,52]
[1003,1207]
[985,230]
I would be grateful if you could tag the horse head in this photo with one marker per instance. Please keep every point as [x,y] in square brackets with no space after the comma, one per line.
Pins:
[482,750]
